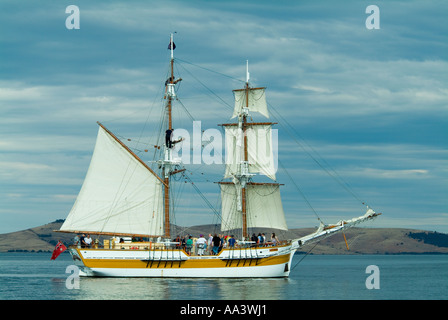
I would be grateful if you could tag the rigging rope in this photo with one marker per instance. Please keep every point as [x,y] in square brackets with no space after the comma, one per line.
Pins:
[210,70]
[312,153]
[300,191]
[333,174]
[306,254]
[317,158]
[202,196]
[210,90]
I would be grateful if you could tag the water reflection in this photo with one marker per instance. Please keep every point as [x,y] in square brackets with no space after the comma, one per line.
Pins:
[181,289]
[34,276]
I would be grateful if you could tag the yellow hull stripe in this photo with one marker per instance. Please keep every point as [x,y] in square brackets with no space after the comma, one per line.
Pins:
[193,263]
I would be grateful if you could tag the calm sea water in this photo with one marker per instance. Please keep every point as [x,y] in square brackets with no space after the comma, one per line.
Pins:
[32,276]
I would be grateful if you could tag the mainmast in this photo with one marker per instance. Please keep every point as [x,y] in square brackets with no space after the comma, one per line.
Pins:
[242,176]
[242,123]
[249,151]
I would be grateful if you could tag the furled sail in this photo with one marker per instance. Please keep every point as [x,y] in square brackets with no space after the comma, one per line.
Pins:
[256,101]
[263,203]
[260,150]
[120,194]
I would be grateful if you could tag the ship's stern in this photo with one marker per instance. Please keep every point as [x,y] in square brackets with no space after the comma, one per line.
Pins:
[83,270]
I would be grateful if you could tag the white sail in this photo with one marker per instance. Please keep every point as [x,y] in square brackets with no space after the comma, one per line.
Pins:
[119,194]
[264,207]
[256,101]
[259,150]
[234,150]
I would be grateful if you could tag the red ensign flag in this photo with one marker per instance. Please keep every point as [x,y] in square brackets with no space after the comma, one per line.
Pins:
[58,250]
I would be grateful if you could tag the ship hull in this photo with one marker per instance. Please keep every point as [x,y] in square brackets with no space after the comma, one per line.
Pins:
[177,264]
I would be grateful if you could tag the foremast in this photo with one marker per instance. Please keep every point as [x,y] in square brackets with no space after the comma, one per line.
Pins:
[121,195]
[168,163]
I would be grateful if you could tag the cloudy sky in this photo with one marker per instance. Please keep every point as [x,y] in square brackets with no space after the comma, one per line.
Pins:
[372,105]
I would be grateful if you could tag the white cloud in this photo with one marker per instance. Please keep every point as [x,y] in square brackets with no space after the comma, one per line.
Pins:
[374,104]
[394,174]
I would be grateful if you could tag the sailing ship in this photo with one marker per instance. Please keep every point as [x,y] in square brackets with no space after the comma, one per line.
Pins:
[123,197]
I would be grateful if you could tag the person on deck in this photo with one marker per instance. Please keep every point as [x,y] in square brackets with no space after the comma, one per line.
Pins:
[210,243]
[183,242]
[274,240]
[260,240]
[189,245]
[77,242]
[82,242]
[201,244]
[231,241]
[216,243]
[254,239]
[178,241]
[88,241]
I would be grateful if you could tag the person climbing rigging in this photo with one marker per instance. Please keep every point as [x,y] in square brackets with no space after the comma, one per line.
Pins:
[169,142]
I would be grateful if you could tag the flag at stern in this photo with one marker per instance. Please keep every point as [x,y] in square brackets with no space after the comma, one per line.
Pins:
[58,250]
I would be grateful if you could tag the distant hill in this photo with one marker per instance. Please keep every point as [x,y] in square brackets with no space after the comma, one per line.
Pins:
[36,239]
[384,241]
[360,240]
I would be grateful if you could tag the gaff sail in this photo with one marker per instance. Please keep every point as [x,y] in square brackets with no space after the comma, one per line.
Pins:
[120,194]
